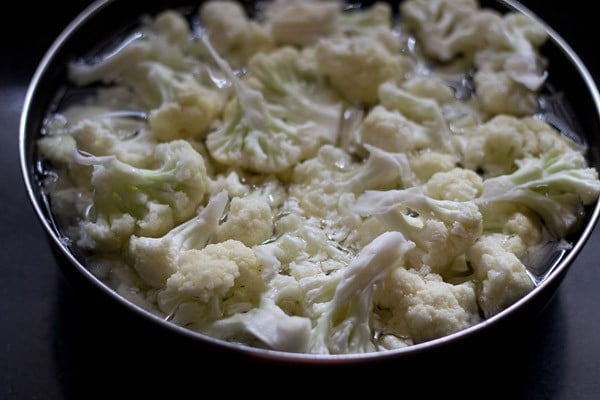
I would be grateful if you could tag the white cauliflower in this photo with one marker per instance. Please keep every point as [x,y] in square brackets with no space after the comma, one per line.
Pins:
[147,200]
[179,105]
[425,164]
[458,184]
[170,35]
[520,223]
[375,21]
[326,187]
[416,307]
[166,39]
[556,186]
[429,86]
[447,29]
[423,111]
[235,36]
[268,325]
[494,148]
[390,130]
[249,220]
[110,68]
[107,132]
[222,278]
[510,70]
[301,22]
[360,60]
[500,276]
[442,230]
[344,326]
[157,258]
[281,114]
[318,176]
[499,94]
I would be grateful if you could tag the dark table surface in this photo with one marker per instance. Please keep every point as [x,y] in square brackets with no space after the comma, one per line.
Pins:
[54,344]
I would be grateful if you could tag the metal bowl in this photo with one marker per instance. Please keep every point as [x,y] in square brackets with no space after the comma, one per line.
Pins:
[566,72]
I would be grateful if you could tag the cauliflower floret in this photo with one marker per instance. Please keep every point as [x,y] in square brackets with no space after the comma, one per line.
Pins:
[518,33]
[419,307]
[344,325]
[266,324]
[223,277]
[281,114]
[232,33]
[426,163]
[157,258]
[165,39]
[375,21]
[164,192]
[501,277]
[109,232]
[309,248]
[421,110]
[458,184]
[429,86]
[447,28]
[106,134]
[515,220]
[337,172]
[230,181]
[189,116]
[513,44]
[391,131]
[179,105]
[172,27]
[326,186]
[557,186]
[494,147]
[441,229]
[525,234]
[500,94]
[249,220]
[301,22]
[361,61]
[510,70]
[58,150]
[170,35]
[526,225]
[109,69]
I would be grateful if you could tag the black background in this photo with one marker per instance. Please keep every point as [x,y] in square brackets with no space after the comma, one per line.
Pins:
[55,344]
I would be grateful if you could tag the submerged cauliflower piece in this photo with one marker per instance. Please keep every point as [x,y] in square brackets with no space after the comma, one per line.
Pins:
[301,22]
[495,147]
[447,28]
[501,278]
[392,131]
[458,184]
[443,230]
[155,258]
[178,103]
[233,34]
[249,220]
[510,70]
[221,279]
[417,307]
[360,60]
[146,200]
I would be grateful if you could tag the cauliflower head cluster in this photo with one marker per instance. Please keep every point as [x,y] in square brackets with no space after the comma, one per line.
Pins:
[314,177]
